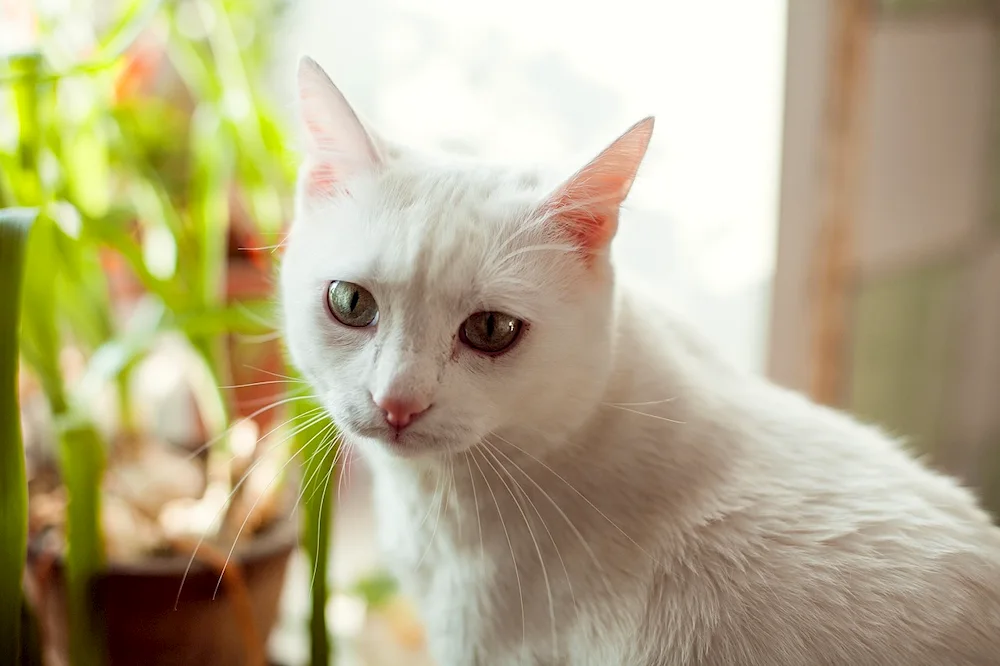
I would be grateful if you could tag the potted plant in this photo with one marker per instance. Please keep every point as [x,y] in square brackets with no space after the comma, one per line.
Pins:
[107,287]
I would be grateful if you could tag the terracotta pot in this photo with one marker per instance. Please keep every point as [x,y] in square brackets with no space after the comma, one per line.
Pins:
[134,605]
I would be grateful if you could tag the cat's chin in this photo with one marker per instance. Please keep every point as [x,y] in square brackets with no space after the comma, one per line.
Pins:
[406,444]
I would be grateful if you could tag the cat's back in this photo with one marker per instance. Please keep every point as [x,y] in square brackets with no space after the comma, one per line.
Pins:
[820,541]
[841,584]
[871,557]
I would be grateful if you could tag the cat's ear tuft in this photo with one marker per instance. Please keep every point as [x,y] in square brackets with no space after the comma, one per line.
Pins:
[339,145]
[587,205]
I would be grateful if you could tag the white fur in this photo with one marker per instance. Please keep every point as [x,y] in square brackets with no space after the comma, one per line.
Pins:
[610,492]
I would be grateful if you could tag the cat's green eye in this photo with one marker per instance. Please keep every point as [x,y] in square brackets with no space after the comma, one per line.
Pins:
[490,332]
[352,304]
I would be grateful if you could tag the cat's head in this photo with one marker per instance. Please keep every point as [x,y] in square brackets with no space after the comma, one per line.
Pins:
[431,303]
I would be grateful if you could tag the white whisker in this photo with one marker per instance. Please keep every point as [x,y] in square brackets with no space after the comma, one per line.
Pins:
[337,445]
[527,226]
[639,404]
[565,248]
[343,456]
[257,339]
[309,413]
[210,443]
[432,504]
[325,450]
[253,316]
[569,582]
[513,559]
[531,533]
[268,399]
[636,411]
[262,248]
[266,382]
[253,506]
[437,520]
[229,498]
[275,374]
[475,500]
[454,490]
[319,522]
[583,497]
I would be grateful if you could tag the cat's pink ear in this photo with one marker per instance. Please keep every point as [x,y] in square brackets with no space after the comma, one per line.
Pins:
[339,145]
[587,205]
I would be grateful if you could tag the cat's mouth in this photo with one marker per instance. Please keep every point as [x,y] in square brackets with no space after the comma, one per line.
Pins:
[405,443]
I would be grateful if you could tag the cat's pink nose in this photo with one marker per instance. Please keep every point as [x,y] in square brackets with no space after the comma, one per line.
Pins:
[401,412]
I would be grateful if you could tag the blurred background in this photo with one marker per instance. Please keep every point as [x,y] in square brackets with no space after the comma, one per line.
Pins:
[820,199]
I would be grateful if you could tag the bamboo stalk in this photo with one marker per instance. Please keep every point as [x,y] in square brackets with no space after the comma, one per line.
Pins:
[318,471]
[14,227]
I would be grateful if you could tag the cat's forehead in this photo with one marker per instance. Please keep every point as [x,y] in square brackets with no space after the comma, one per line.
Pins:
[455,184]
[444,225]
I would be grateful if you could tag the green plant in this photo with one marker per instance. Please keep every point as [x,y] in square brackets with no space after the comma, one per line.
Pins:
[80,450]
[153,181]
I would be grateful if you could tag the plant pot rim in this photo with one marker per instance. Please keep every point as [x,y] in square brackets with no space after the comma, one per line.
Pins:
[276,539]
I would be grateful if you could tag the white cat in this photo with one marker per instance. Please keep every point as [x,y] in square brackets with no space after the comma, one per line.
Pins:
[564,474]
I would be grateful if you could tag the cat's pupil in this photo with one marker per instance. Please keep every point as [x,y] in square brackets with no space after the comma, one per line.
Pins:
[490,332]
[351,304]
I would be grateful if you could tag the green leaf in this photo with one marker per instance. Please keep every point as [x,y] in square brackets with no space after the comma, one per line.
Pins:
[120,37]
[82,291]
[14,227]
[85,161]
[210,199]
[112,231]
[133,20]
[27,185]
[40,344]
[243,317]
[80,449]
[118,353]
[212,160]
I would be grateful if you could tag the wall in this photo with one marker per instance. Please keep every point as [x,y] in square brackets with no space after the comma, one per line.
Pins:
[925,305]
